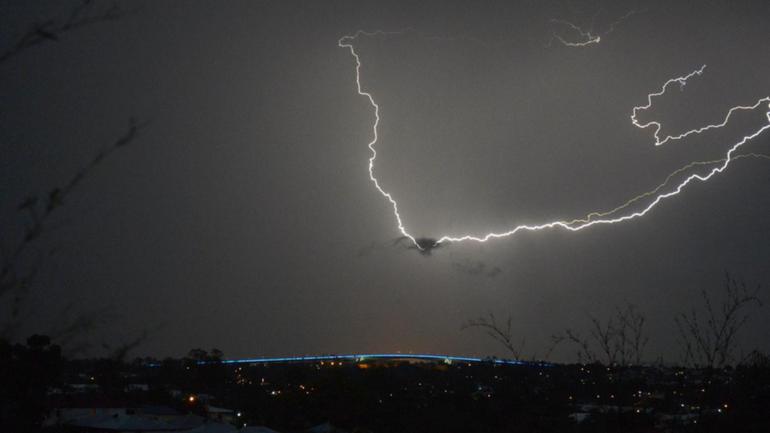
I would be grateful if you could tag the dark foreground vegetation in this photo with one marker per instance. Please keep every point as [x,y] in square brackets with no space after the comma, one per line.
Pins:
[40,391]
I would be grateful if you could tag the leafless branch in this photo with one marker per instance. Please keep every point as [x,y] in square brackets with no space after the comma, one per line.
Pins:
[584,352]
[708,337]
[15,278]
[52,29]
[619,340]
[498,332]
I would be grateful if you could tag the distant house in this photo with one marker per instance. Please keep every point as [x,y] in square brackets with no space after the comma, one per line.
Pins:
[204,398]
[325,428]
[579,417]
[137,387]
[186,422]
[97,413]
[213,427]
[126,421]
[221,414]
[160,413]
[257,429]
[118,423]
[66,409]
[82,387]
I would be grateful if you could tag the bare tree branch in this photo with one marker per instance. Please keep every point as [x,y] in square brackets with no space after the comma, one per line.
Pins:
[52,30]
[620,340]
[584,353]
[502,335]
[15,278]
[708,339]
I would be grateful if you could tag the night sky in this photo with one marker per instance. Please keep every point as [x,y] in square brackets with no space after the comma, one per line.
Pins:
[243,217]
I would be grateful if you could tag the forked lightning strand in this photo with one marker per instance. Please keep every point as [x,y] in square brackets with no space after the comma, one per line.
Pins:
[346,42]
[593,218]
[668,179]
[682,81]
[587,36]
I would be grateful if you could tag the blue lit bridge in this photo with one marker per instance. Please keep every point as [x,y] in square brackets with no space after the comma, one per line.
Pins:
[367,357]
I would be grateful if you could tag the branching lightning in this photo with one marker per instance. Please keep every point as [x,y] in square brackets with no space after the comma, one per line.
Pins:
[668,179]
[682,81]
[346,42]
[593,218]
[587,37]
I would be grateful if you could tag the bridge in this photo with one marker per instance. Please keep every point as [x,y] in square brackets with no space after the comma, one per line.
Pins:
[448,359]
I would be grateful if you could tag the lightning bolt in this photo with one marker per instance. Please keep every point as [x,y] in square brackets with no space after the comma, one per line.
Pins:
[586,36]
[346,42]
[682,81]
[664,183]
[593,218]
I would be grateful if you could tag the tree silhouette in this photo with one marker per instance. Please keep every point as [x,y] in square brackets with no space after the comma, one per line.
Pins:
[52,30]
[708,338]
[501,333]
[21,262]
[618,340]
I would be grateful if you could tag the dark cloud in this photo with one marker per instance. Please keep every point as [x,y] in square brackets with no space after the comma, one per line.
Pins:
[476,268]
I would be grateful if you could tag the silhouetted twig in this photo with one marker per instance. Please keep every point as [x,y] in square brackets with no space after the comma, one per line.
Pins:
[621,339]
[51,30]
[708,339]
[501,334]
[14,280]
